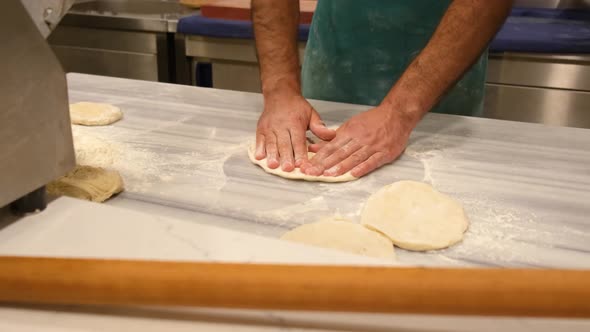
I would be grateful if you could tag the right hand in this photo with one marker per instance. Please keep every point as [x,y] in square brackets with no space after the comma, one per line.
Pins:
[280,135]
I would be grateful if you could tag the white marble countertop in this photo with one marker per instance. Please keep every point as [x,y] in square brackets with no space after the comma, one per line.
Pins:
[75,228]
[182,153]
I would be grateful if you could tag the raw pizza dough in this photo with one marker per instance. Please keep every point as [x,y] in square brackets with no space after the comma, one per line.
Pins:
[94,114]
[415,216]
[86,182]
[296,174]
[343,235]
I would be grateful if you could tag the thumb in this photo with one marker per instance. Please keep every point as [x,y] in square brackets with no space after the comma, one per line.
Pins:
[318,128]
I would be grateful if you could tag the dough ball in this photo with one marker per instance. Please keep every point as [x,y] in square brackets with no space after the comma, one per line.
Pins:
[296,174]
[415,216]
[343,235]
[94,114]
[89,183]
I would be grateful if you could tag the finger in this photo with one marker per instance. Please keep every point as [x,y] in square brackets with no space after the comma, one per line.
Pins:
[260,152]
[315,166]
[319,129]
[328,148]
[343,154]
[299,142]
[372,163]
[285,151]
[316,146]
[272,153]
[354,159]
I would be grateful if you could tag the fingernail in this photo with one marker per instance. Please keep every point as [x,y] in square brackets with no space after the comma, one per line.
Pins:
[286,165]
[272,163]
[259,153]
[315,171]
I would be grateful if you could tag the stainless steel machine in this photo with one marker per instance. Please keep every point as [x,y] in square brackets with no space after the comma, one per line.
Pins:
[35,134]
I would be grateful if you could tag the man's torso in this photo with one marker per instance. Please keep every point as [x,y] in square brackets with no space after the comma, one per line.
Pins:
[357,50]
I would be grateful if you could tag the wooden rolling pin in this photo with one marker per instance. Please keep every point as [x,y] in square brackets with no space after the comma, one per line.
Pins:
[194,3]
[511,292]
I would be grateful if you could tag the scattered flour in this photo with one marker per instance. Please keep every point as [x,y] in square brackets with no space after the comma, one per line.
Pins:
[429,154]
[143,165]
[500,234]
[296,214]
[92,150]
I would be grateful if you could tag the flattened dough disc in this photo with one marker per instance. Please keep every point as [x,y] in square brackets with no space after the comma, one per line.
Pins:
[343,235]
[415,216]
[94,114]
[86,182]
[296,174]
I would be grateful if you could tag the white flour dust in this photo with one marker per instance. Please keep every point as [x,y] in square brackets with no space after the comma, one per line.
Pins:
[429,154]
[296,214]
[92,150]
[499,233]
[144,164]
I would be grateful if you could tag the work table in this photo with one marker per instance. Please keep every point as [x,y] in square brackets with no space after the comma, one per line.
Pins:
[148,16]
[182,153]
[525,187]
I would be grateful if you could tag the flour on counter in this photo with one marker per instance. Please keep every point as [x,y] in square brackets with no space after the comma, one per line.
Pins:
[144,164]
[296,214]
[429,154]
[92,150]
[499,233]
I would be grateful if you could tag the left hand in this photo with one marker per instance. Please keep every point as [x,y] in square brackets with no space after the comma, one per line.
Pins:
[364,143]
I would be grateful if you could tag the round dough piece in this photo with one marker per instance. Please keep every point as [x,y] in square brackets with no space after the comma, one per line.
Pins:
[94,114]
[342,235]
[90,183]
[415,216]
[296,174]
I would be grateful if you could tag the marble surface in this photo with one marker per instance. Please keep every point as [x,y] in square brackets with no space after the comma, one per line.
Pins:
[75,228]
[182,153]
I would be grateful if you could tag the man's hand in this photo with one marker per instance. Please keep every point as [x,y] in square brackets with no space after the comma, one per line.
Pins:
[280,136]
[364,143]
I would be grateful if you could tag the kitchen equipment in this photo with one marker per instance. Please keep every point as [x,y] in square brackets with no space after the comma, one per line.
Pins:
[502,292]
[35,135]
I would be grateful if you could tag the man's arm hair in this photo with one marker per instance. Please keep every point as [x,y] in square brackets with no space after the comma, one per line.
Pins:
[275,29]
[462,35]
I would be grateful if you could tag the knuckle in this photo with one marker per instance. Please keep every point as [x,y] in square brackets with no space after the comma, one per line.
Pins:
[346,149]
[389,157]
[358,157]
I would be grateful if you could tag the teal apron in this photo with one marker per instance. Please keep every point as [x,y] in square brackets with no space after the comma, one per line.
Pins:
[358,49]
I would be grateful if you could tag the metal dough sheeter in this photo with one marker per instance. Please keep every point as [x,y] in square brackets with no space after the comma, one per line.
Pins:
[35,134]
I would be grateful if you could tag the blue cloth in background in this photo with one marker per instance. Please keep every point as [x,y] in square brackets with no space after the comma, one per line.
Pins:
[542,36]
[213,27]
[558,14]
[534,30]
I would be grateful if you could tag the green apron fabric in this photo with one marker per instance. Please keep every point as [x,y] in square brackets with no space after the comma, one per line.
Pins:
[357,50]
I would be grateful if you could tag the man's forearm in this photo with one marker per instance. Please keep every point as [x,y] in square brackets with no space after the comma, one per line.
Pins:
[463,33]
[275,29]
